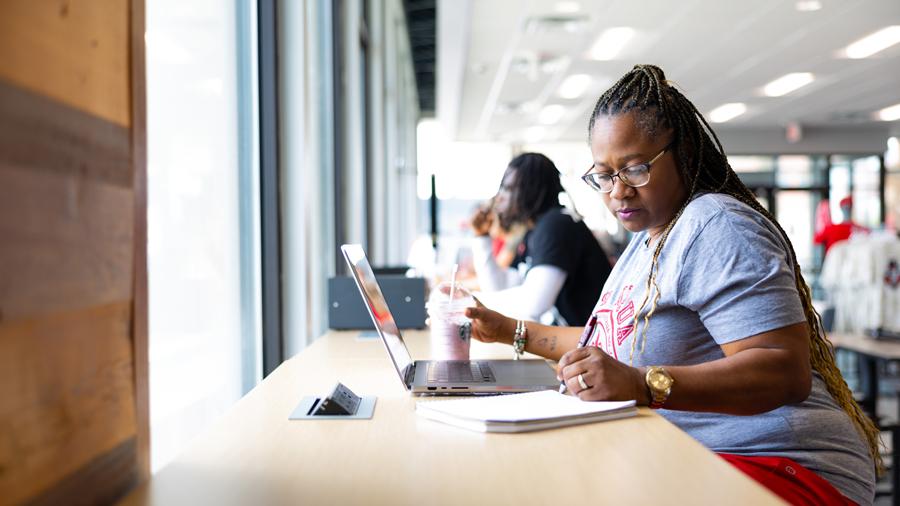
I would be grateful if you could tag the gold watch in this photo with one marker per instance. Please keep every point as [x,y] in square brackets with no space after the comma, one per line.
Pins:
[659,382]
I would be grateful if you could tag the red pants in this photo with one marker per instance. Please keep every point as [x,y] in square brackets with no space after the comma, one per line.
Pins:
[788,479]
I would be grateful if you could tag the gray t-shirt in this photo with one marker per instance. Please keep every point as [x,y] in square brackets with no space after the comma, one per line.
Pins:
[725,274]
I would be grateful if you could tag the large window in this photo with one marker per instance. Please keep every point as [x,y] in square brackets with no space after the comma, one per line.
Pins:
[202,215]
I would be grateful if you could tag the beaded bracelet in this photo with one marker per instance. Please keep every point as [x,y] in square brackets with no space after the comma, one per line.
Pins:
[520,338]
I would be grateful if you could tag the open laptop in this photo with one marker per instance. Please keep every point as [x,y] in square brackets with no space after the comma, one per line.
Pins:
[442,377]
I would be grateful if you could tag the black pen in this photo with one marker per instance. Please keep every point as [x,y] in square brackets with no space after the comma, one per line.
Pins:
[588,331]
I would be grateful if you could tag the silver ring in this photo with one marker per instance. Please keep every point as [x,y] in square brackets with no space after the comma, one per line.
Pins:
[581,383]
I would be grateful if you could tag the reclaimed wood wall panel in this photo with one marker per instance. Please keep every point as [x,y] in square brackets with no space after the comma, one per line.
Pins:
[73,372]
[38,133]
[67,386]
[74,51]
[66,207]
[69,243]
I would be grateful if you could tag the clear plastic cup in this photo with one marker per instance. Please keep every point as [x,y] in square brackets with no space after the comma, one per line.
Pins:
[450,329]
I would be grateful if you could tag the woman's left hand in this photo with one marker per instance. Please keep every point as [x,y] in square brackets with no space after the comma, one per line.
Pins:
[607,379]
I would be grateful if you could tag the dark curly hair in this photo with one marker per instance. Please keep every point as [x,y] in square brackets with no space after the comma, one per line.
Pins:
[536,188]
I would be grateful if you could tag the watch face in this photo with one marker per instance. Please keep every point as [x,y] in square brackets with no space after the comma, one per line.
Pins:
[660,381]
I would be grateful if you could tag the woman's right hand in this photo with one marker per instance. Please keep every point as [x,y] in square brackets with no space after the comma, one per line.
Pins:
[481,221]
[489,326]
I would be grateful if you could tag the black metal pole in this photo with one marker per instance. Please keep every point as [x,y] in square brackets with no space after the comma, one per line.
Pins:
[270,212]
[434,213]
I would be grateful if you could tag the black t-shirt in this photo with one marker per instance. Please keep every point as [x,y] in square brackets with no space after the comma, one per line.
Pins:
[558,239]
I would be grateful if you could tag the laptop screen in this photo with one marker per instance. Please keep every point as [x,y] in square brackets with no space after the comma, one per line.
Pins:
[377,306]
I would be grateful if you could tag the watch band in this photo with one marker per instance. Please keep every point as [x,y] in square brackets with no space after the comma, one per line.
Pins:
[659,398]
[520,338]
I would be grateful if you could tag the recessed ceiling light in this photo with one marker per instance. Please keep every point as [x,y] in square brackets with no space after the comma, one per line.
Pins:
[610,43]
[727,112]
[567,7]
[551,114]
[808,5]
[788,83]
[891,113]
[574,86]
[871,44]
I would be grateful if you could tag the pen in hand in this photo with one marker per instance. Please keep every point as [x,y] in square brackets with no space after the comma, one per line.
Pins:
[588,330]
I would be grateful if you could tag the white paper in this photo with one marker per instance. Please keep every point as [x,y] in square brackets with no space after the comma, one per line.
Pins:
[541,405]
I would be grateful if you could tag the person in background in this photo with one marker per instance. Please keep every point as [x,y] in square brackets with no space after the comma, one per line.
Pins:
[706,315]
[505,244]
[563,264]
[829,233]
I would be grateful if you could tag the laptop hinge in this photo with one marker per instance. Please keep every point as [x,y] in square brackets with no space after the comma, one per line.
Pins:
[410,375]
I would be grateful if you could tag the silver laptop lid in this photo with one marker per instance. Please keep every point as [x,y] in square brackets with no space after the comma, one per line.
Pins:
[378,309]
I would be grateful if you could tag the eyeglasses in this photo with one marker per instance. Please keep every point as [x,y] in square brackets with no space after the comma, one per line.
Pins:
[634,176]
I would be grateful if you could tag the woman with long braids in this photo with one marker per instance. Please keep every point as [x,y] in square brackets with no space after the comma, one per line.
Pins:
[706,315]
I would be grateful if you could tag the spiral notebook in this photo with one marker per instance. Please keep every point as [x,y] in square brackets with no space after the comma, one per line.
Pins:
[526,412]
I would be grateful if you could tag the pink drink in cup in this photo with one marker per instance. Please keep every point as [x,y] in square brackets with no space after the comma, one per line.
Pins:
[449,326]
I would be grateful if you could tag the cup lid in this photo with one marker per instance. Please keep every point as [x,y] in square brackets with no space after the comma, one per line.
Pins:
[440,296]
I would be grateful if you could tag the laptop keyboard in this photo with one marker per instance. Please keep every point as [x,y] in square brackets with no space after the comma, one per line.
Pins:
[460,372]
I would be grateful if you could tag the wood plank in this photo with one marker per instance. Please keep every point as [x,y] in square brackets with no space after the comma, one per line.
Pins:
[67,243]
[76,52]
[140,320]
[67,382]
[42,134]
[104,480]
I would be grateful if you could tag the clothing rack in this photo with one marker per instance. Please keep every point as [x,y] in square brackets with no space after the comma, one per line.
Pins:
[861,277]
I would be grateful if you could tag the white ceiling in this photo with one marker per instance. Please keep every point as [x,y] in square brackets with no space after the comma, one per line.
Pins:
[491,87]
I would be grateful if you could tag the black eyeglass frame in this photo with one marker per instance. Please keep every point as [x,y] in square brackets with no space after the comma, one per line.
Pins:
[589,177]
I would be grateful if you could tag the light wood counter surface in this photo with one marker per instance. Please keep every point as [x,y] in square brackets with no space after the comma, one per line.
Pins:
[255,455]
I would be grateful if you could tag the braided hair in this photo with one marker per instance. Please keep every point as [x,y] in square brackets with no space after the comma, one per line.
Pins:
[702,164]
[536,188]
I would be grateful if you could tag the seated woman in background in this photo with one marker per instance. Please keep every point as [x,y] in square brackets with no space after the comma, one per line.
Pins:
[564,266]
[505,244]
[705,315]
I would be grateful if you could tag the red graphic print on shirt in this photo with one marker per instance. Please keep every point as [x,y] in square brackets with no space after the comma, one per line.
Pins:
[615,321]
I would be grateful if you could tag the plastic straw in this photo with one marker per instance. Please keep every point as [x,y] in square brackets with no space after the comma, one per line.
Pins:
[453,282]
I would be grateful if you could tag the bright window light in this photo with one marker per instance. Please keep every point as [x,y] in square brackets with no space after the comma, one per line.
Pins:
[871,44]
[574,86]
[892,155]
[462,170]
[610,43]
[727,112]
[891,113]
[788,83]
[551,114]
